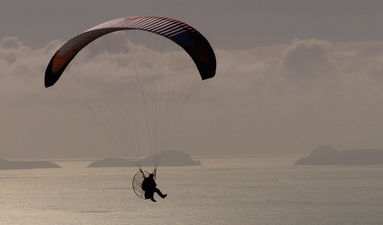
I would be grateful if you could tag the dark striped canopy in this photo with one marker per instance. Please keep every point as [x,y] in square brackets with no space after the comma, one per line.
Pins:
[184,35]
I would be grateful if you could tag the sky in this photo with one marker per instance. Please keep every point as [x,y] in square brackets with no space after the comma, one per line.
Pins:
[291,76]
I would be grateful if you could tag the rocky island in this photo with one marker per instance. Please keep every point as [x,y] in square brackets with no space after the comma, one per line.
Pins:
[328,155]
[169,158]
[22,165]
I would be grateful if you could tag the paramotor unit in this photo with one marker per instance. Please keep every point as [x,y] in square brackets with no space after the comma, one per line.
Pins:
[137,182]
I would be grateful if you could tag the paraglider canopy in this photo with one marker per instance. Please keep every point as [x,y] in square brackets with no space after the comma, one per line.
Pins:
[184,35]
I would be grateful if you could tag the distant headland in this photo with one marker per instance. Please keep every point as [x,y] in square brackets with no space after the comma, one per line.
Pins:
[22,165]
[169,158]
[328,155]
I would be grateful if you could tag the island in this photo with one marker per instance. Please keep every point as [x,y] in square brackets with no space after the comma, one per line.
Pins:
[22,165]
[328,155]
[169,158]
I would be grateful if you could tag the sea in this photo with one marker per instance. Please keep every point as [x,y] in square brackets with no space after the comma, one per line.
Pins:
[267,190]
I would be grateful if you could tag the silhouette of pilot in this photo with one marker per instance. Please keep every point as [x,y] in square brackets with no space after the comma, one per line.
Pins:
[149,186]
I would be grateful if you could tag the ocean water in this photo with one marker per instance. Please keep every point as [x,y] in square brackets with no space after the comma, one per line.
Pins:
[237,190]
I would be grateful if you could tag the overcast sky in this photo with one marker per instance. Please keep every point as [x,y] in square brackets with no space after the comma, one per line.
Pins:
[291,75]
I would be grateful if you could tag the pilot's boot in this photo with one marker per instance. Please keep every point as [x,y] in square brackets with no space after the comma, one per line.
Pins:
[160,194]
[164,196]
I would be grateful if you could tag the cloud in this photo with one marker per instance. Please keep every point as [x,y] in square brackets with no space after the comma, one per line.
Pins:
[307,60]
[22,69]
[305,69]
[302,70]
